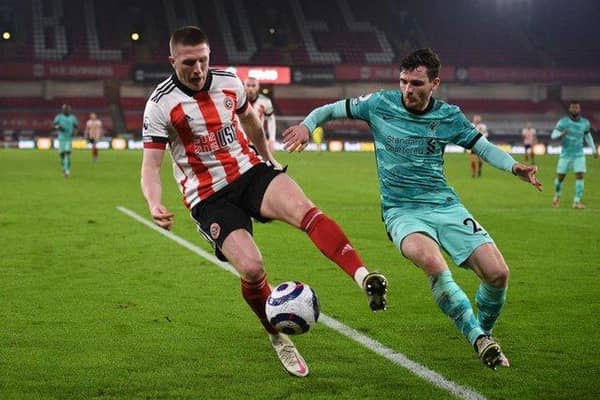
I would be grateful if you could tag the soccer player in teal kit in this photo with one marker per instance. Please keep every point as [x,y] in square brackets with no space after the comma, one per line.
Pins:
[422,213]
[66,124]
[572,130]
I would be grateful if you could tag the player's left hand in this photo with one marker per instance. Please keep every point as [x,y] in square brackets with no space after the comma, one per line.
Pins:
[162,217]
[295,138]
[527,174]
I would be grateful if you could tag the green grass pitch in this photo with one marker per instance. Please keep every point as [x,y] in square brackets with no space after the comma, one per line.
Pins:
[94,305]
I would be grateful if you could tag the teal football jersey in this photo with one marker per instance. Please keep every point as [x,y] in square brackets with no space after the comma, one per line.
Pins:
[572,143]
[409,147]
[67,124]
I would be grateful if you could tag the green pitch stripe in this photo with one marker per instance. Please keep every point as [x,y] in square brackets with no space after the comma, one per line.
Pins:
[397,358]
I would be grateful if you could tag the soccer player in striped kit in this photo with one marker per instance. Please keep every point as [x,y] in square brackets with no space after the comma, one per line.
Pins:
[264,109]
[476,163]
[225,183]
[93,133]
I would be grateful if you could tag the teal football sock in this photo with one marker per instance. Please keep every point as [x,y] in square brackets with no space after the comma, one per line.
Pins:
[455,304]
[557,187]
[490,301]
[578,190]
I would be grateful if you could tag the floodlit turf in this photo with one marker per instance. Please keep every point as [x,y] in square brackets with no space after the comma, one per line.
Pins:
[96,305]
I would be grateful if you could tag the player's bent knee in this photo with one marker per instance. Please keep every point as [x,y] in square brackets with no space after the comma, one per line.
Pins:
[430,262]
[498,277]
[251,270]
[304,206]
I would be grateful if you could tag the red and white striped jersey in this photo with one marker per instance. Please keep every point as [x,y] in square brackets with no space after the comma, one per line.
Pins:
[208,148]
[482,128]
[264,109]
[263,106]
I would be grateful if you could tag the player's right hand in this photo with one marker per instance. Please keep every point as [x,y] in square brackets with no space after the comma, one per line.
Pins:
[295,138]
[162,217]
[527,174]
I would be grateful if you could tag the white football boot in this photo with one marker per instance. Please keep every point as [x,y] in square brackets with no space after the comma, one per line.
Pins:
[289,356]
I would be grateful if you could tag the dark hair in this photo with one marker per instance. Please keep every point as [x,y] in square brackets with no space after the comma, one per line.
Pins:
[188,36]
[423,57]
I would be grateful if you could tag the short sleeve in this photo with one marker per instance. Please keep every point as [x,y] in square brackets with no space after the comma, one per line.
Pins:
[154,132]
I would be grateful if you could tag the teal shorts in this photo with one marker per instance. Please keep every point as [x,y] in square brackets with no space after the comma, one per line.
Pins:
[64,145]
[453,228]
[568,163]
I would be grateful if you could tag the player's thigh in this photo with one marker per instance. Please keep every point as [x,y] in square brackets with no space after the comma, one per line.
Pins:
[415,237]
[565,164]
[459,233]
[284,200]
[241,251]
[216,218]
[489,264]
[579,164]
[424,252]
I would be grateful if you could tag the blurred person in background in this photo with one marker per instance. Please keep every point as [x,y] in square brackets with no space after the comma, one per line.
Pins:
[572,130]
[317,137]
[529,139]
[264,109]
[93,133]
[225,183]
[421,212]
[476,163]
[67,125]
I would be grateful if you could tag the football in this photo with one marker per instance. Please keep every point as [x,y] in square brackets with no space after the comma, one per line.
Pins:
[292,307]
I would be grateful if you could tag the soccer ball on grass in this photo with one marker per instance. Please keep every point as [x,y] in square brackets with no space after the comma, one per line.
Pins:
[292,307]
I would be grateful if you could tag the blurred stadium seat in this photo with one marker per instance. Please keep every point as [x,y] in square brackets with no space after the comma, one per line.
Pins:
[79,42]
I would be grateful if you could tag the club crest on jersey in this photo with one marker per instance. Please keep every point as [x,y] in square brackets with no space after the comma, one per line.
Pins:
[432,127]
[215,230]
[228,103]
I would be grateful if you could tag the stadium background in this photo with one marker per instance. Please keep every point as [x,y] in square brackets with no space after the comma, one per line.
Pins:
[510,60]
[96,305]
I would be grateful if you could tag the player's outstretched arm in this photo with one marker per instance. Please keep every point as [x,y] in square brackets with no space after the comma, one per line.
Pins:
[498,158]
[527,173]
[295,138]
[152,188]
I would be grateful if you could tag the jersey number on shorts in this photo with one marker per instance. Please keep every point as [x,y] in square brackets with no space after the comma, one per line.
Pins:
[471,221]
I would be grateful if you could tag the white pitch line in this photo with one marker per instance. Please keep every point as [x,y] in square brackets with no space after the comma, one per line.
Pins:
[397,358]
